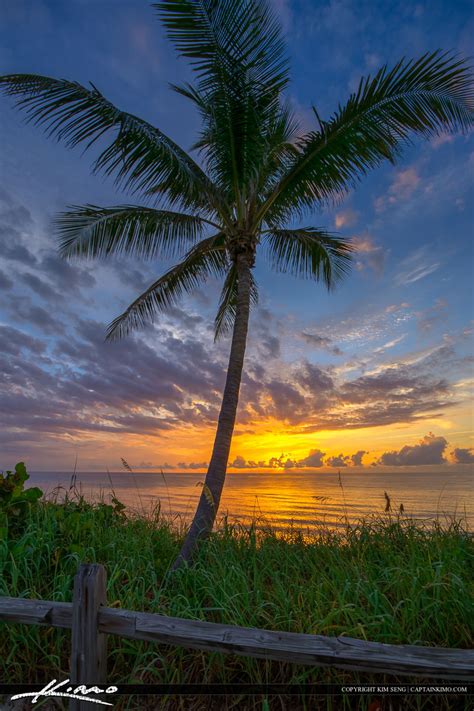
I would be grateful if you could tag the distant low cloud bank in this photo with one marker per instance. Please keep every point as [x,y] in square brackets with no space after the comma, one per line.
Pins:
[315,460]
[463,456]
[430,450]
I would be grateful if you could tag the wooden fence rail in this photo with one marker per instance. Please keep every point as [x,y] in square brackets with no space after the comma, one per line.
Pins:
[91,621]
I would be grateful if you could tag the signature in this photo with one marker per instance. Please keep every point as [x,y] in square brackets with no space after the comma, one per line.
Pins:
[71,692]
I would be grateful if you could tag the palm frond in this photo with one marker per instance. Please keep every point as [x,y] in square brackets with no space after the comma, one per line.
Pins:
[265,140]
[140,156]
[225,317]
[207,258]
[431,95]
[94,232]
[228,38]
[236,48]
[278,147]
[309,252]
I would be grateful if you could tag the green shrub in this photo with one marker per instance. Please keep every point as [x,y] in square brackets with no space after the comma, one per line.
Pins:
[15,500]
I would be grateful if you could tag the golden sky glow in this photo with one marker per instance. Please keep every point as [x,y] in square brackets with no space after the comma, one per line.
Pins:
[269,439]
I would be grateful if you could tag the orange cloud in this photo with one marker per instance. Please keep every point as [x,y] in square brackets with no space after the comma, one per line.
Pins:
[346,218]
[402,188]
[371,254]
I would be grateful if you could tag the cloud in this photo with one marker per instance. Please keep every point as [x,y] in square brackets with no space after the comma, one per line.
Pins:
[372,60]
[390,344]
[346,218]
[463,456]
[87,385]
[14,341]
[314,459]
[419,273]
[430,450]
[155,467]
[23,310]
[12,249]
[68,387]
[339,19]
[429,318]
[142,40]
[394,308]
[322,342]
[416,266]
[405,182]
[368,254]
[284,397]
[5,282]
[67,277]
[341,460]
[77,384]
[314,379]
[40,287]
[284,13]
[277,462]
[241,463]
[403,185]
[441,139]
[313,398]
[60,382]
[360,329]
[271,346]
[17,232]
[357,457]
[192,465]
[282,461]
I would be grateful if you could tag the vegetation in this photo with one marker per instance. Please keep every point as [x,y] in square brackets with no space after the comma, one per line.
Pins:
[257,173]
[386,580]
[15,499]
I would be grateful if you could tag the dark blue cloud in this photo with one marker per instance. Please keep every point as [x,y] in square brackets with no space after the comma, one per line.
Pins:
[429,451]
[463,455]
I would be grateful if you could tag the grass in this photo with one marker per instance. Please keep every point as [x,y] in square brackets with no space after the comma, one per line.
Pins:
[387,580]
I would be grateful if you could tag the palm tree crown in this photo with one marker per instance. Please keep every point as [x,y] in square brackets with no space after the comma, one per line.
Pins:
[256,174]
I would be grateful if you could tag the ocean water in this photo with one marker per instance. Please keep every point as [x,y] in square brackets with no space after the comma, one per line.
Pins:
[304,500]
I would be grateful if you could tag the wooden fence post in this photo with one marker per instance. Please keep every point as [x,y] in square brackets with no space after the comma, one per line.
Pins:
[88,646]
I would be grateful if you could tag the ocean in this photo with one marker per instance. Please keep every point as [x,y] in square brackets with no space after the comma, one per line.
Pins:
[304,500]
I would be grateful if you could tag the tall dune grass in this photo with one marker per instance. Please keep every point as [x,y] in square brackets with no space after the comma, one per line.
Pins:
[387,580]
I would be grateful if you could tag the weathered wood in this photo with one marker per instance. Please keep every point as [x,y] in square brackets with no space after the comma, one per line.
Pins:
[36,612]
[342,652]
[89,643]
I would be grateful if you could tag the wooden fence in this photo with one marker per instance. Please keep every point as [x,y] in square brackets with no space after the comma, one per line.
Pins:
[91,621]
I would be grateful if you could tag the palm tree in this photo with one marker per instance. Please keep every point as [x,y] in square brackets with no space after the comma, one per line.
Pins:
[257,173]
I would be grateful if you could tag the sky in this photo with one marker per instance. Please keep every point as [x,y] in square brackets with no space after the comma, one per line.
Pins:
[377,374]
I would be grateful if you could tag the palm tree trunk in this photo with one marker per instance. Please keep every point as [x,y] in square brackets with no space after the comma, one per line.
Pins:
[210,498]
